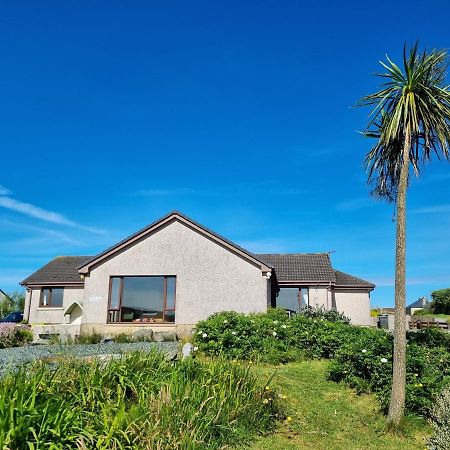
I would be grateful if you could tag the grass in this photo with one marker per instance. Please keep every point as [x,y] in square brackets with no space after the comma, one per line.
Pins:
[327,415]
[436,316]
[139,401]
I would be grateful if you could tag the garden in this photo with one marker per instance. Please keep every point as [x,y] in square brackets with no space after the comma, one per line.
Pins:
[260,380]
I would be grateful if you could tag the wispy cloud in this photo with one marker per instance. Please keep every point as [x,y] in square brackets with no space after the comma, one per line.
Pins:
[433,178]
[356,204]
[411,281]
[157,192]
[264,246]
[432,209]
[36,212]
[266,188]
[4,191]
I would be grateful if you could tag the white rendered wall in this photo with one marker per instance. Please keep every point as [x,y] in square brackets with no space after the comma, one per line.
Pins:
[209,277]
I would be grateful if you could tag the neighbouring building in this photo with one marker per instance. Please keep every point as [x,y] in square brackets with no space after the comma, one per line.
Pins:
[175,272]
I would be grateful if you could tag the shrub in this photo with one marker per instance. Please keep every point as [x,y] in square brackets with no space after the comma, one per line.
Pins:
[12,335]
[139,401]
[92,338]
[366,365]
[440,303]
[361,357]
[440,421]
[123,338]
[332,315]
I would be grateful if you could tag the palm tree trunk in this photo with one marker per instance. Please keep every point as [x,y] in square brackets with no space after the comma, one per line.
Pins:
[397,404]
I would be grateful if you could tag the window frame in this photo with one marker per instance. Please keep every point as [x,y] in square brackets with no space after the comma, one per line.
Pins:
[299,288]
[118,309]
[50,297]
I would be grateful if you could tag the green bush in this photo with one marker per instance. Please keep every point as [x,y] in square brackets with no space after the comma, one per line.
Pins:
[440,421]
[361,357]
[13,335]
[91,338]
[331,315]
[140,401]
[440,303]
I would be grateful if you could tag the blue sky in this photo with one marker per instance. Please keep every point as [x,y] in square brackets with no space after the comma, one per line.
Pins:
[236,113]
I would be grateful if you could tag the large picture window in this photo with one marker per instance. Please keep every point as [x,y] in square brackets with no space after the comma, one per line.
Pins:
[293,298]
[142,299]
[52,297]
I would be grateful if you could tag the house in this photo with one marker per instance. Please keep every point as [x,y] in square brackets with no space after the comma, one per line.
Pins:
[175,272]
[418,305]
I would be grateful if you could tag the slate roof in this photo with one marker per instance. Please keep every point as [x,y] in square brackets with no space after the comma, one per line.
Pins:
[346,280]
[420,303]
[299,267]
[59,270]
[313,267]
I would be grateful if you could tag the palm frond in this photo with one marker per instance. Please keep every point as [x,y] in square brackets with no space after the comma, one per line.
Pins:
[413,103]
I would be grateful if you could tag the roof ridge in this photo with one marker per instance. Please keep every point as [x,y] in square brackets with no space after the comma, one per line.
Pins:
[175,215]
[288,254]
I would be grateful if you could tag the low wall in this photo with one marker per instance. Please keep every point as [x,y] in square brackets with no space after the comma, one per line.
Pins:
[183,331]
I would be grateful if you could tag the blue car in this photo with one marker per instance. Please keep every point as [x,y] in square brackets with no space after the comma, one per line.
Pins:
[14,317]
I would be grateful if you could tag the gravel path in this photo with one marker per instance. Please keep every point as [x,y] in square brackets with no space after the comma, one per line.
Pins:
[11,358]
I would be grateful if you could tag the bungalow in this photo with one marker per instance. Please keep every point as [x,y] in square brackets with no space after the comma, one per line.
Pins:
[175,272]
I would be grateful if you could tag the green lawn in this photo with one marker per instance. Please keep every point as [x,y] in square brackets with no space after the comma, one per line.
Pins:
[327,415]
[437,316]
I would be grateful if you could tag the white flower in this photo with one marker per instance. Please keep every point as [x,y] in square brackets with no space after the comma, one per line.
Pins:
[195,349]
[364,350]
[204,335]
[225,321]
[274,333]
[284,326]
[383,360]
[275,322]
[233,333]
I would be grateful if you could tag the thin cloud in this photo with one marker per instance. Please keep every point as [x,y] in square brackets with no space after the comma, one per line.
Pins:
[432,209]
[170,192]
[266,188]
[263,246]
[355,204]
[411,281]
[4,191]
[39,213]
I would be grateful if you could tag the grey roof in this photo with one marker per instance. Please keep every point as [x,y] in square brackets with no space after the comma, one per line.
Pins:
[301,266]
[346,280]
[419,303]
[62,269]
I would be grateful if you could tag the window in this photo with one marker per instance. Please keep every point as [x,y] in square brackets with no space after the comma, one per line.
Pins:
[142,299]
[52,297]
[293,299]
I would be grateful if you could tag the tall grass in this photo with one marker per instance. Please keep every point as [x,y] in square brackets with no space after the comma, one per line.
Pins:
[137,402]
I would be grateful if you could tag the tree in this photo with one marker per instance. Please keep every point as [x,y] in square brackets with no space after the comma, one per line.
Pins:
[441,301]
[6,305]
[14,301]
[410,122]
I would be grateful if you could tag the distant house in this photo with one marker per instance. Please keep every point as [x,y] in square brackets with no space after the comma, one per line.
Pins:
[175,272]
[419,304]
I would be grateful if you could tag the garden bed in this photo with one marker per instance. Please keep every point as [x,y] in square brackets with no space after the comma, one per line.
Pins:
[14,357]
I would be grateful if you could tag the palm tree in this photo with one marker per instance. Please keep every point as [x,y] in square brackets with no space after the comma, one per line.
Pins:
[411,122]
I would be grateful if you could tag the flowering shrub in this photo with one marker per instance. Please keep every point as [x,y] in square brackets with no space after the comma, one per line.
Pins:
[361,357]
[12,335]
[440,421]
[332,315]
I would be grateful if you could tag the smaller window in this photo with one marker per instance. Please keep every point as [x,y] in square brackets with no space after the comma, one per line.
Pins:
[52,297]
